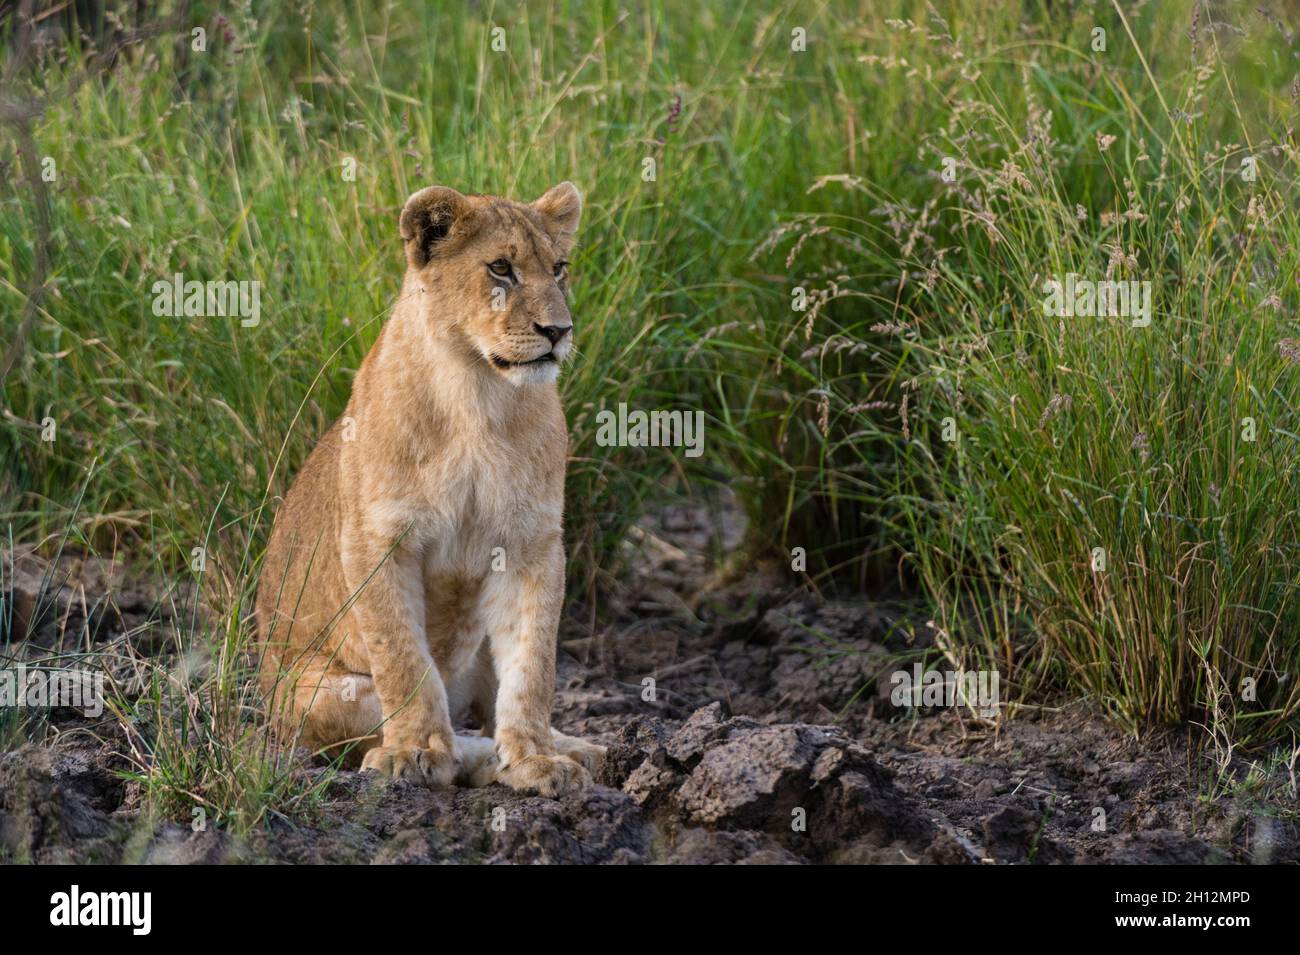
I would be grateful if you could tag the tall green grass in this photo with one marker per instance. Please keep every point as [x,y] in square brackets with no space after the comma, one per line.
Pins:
[1112,507]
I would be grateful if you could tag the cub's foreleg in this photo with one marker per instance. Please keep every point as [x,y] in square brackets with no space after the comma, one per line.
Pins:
[418,742]
[521,609]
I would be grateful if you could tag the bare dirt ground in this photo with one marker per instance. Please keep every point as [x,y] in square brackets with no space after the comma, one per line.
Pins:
[770,738]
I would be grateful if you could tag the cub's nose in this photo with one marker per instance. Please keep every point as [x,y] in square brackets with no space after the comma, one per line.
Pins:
[552,333]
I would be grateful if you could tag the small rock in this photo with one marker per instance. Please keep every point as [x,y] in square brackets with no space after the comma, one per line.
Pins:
[1009,833]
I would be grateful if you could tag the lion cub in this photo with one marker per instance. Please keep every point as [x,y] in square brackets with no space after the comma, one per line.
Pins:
[415,571]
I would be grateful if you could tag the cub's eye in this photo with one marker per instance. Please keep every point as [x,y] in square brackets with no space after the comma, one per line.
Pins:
[560,268]
[500,267]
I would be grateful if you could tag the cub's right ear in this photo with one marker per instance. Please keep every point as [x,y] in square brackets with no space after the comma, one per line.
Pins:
[428,218]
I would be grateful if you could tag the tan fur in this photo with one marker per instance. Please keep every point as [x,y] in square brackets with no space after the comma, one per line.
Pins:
[382,616]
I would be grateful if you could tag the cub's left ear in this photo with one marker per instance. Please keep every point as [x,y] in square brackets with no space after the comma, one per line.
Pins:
[561,207]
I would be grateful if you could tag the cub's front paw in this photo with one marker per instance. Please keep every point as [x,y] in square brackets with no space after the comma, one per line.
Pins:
[548,776]
[430,767]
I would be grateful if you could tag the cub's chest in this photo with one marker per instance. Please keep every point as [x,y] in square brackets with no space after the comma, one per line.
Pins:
[468,500]
[451,495]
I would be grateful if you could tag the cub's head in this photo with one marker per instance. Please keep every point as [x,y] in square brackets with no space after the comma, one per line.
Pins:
[494,272]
